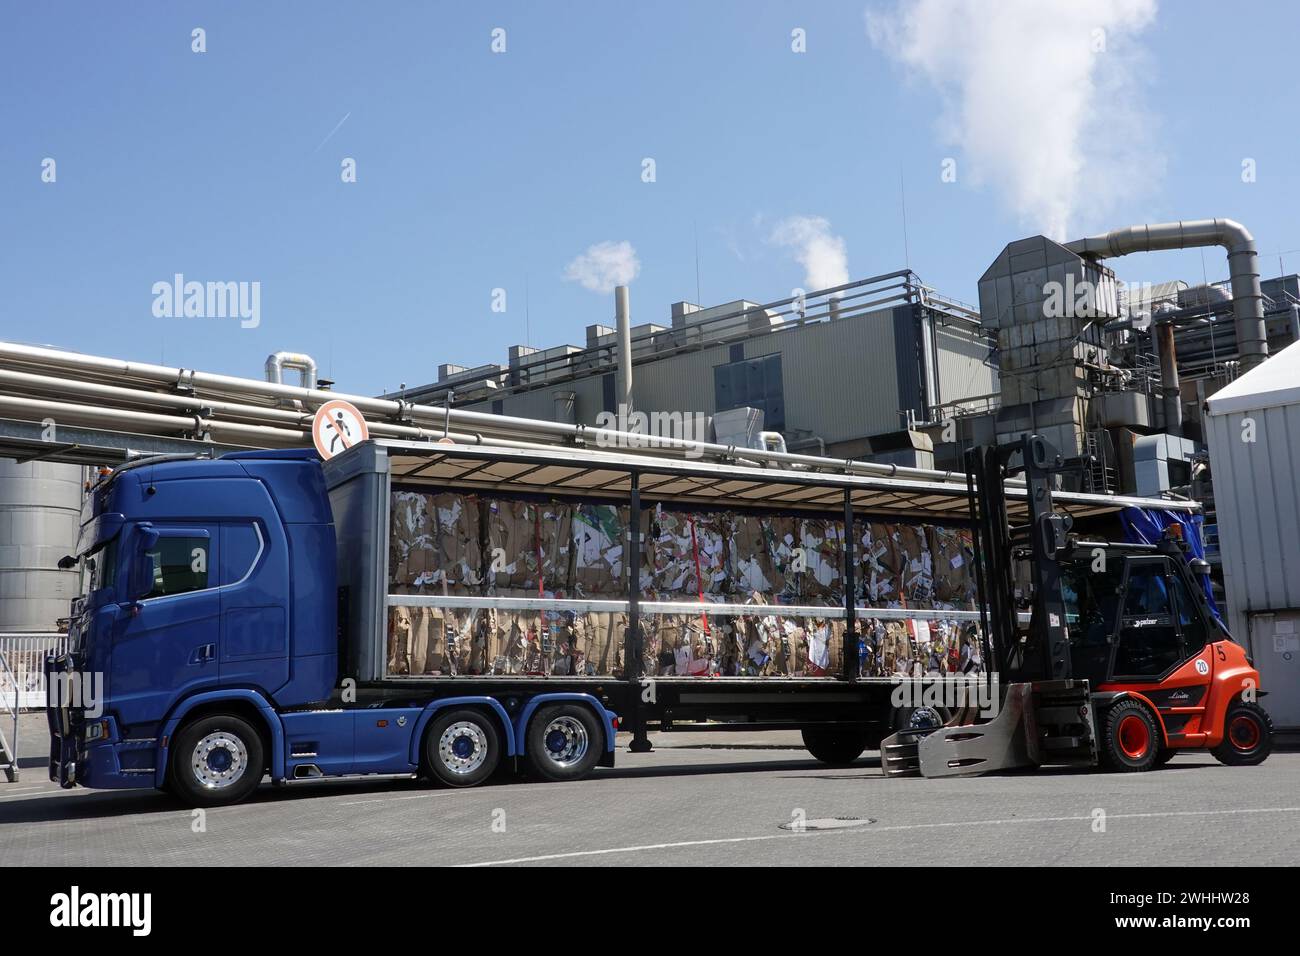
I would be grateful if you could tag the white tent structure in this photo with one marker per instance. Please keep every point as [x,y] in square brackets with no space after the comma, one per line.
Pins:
[1253,432]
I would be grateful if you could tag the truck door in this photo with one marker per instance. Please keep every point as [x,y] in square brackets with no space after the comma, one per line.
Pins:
[1150,645]
[165,646]
[254,620]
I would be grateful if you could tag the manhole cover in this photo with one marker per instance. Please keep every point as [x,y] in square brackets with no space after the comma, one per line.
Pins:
[827,823]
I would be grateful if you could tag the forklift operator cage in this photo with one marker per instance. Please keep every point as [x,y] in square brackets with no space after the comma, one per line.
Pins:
[363,479]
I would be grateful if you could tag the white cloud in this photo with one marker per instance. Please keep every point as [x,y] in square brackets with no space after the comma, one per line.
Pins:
[604,265]
[1041,98]
[822,254]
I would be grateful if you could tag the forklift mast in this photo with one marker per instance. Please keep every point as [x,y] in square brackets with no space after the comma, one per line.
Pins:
[1043,652]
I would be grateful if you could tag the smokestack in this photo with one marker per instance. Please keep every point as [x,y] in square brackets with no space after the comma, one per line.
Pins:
[1169,388]
[623,374]
[1243,267]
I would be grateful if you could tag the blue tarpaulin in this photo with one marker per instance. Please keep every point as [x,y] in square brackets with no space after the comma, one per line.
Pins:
[1147,526]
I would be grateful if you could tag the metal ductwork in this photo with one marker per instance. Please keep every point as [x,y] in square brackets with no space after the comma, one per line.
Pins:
[1243,267]
[302,363]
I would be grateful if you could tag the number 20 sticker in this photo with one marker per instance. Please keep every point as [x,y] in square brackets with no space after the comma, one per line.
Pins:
[1202,667]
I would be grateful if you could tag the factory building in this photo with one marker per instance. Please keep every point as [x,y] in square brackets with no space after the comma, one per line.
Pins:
[846,372]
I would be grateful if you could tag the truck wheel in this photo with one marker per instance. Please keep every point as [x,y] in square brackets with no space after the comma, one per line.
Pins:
[839,748]
[1131,740]
[564,742]
[216,761]
[918,718]
[462,747]
[1247,736]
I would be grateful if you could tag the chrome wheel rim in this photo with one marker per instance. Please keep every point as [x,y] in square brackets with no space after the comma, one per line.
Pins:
[565,741]
[462,748]
[219,760]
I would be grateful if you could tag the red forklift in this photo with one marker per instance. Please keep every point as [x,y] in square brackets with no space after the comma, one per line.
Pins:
[1122,663]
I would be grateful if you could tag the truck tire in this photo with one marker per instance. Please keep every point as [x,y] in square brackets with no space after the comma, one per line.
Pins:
[216,761]
[563,742]
[838,748]
[1131,739]
[1247,736]
[462,747]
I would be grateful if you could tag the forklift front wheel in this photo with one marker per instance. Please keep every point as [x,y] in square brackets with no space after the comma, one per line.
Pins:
[1132,739]
[1247,736]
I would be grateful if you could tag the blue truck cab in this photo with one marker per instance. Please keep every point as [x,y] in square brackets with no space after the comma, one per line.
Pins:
[205,651]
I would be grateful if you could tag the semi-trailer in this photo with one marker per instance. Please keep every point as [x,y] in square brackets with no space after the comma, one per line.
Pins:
[249,616]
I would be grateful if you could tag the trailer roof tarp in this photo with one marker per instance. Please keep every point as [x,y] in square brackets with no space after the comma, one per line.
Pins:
[600,473]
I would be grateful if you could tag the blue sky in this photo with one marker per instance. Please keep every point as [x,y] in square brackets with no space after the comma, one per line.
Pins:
[478,171]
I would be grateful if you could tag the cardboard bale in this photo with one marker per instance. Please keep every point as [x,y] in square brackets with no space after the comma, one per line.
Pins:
[915,564]
[953,551]
[770,641]
[599,644]
[688,553]
[434,540]
[878,566]
[528,545]
[599,533]
[822,581]
[763,555]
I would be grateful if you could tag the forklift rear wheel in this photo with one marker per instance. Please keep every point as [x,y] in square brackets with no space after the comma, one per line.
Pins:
[564,742]
[216,761]
[1247,736]
[462,747]
[1132,739]
[839,748]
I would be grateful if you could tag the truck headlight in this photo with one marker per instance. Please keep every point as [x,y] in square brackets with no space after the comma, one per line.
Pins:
[97,731]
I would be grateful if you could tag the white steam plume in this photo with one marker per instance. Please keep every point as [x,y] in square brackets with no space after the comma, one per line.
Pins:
[604,266]
[821,253]
[1039,95]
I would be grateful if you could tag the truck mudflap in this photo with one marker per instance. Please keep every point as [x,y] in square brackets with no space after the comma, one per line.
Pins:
[1046,722]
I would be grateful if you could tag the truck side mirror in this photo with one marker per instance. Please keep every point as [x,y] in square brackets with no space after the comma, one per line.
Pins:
[140,573]
[1199,566]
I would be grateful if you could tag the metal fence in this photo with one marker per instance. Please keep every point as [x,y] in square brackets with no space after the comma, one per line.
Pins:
[25,654]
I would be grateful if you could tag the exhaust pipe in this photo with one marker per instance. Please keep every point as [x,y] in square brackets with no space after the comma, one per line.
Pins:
[1243,267]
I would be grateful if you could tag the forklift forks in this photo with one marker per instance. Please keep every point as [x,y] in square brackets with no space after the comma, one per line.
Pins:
[1043,722]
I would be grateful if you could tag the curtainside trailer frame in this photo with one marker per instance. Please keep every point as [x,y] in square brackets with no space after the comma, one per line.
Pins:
[361,481]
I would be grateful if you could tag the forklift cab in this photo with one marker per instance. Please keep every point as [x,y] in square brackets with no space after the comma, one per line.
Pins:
[1134,614]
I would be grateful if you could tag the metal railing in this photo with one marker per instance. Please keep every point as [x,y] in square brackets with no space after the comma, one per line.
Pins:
[22,683]
[9,745]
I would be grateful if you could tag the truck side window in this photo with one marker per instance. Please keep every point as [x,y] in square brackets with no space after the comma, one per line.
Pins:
[1149,643]
[180,564]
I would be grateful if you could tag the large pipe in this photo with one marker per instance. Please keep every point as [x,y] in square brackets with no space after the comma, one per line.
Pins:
[482,426]
[1169,387]
[1243,267]
[623,374]
[303,363]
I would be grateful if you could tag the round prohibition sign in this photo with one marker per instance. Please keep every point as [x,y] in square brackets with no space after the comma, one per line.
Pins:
[337,427]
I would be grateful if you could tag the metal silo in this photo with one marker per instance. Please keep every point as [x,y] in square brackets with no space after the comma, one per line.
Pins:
[40,505]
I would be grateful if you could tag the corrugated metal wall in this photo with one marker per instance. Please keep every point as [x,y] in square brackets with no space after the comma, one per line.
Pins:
[40,515]
[1257,505]
[1257,500]
[841,379]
